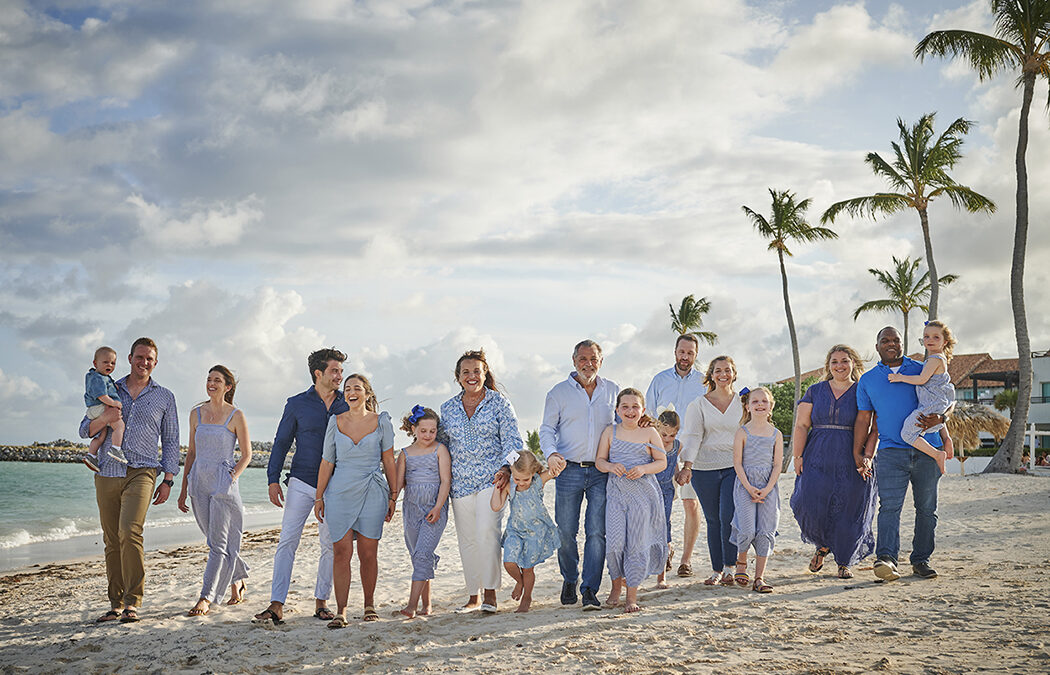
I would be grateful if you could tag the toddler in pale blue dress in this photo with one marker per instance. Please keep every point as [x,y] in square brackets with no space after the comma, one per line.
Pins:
[531,536]
[933,388]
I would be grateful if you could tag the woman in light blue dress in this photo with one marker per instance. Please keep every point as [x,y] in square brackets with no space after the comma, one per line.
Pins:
[353,490]
[210,479]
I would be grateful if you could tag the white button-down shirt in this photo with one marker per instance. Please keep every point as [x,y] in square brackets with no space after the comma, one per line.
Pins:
[670,387]
[573,422]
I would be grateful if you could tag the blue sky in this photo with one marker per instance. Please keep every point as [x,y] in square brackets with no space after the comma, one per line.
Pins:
[247,181]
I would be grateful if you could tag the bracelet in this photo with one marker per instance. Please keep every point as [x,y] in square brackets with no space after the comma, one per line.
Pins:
[318,500]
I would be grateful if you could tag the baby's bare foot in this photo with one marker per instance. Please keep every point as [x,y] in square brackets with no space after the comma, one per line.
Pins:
[516,593]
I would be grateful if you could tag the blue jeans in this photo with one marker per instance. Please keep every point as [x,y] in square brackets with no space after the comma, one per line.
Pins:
[894,469]
[570,487]
[715,490]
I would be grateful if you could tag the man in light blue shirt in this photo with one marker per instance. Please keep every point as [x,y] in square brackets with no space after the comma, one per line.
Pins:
[575,413]
[680,386]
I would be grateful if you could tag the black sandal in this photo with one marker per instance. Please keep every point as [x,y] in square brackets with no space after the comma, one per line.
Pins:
[111,615]
[324,614]
[821,553]
[129,615]
[266,616]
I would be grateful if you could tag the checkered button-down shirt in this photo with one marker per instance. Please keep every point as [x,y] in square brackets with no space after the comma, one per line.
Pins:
[150,418]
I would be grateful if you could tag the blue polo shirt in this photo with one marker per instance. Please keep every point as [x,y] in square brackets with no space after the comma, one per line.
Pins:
[892,402]
[305,421]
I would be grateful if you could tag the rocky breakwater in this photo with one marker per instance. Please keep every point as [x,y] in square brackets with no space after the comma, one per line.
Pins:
[68,451]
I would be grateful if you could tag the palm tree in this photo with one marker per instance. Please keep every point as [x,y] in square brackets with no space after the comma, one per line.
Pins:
[787,222]
[905,291]
[690,318]
[1021,42]
[919,174]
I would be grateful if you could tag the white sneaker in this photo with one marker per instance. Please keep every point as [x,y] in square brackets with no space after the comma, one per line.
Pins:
[886,570]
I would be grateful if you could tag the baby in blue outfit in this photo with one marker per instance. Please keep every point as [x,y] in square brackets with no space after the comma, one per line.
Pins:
[100,393]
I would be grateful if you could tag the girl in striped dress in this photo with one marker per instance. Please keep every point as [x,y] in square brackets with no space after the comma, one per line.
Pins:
[424,471]
[758,452]
[635,528]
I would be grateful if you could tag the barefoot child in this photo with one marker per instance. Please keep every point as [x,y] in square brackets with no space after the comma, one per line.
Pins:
[100,393]
[531,536]
[635,528]
[933,386]
[758,451]
[424,470]
[667,424]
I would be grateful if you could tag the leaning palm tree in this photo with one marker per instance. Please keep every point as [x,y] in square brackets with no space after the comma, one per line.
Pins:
[689,319]
[1021,42]
[905,291]
[918,175]
[787,222]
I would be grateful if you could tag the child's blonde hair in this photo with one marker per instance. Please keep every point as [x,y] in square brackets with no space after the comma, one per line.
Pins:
[104,350]
[527,463]
[746,396]
[949,339]
[419,413]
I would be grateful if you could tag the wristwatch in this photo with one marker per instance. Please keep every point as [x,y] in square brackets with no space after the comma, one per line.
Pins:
[169,482]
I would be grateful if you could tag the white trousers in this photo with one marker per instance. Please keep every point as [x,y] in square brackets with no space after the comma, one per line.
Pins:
[479,531]
[298,505]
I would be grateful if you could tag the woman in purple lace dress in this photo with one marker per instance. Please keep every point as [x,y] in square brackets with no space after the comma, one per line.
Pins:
[832,503]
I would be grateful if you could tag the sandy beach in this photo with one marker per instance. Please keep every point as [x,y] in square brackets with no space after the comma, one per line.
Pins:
[989,611]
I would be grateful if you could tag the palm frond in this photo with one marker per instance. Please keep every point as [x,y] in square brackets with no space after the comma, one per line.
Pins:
[986,54]
[880,203]
[965,198]
[885,305]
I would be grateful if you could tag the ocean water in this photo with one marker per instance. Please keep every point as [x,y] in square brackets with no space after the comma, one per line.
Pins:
[48,512]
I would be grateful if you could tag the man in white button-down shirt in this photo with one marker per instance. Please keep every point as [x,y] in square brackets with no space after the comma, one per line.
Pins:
[575,413]
[680,385]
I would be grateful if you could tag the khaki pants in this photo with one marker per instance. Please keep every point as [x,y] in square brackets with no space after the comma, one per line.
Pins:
[122,504]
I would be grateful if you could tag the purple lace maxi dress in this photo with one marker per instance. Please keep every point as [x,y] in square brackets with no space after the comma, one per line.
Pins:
[832,504]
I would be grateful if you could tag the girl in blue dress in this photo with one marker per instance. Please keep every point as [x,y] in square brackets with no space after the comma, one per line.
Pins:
[635,531]
[531,536]
[933,387]
[758,451]
[424,472]
[667,423]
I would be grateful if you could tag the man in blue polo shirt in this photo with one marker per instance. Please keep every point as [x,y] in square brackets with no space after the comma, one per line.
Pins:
[897,463]
[305,421]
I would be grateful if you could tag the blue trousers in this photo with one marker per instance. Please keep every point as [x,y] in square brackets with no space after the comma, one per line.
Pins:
[715,490]
[571,486]
[895,468]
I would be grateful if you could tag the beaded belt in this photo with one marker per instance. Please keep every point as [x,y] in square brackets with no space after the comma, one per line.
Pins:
[841,427]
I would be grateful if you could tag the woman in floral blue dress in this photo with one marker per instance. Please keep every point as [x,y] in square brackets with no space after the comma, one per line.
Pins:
[832,503]
[479,428]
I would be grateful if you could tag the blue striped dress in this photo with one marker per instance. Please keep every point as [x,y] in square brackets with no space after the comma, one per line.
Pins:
[635,529]
[756,523]
[422,484]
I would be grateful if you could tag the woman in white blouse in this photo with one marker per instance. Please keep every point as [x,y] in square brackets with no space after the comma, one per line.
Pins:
[708,428]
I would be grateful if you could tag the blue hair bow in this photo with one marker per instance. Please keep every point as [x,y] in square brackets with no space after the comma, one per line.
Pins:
[417,414]
[745,391]
[926,323]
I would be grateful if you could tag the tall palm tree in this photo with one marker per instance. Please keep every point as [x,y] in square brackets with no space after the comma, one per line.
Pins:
[787,222]
[690,318]
[919,174]
[905,291]
[1021,42]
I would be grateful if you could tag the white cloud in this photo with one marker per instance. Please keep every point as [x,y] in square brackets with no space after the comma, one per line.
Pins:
[202,226]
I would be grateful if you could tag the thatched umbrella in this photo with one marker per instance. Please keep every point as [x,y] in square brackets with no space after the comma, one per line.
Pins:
[966,423]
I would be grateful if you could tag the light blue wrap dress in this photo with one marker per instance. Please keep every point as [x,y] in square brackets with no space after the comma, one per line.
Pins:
[217,506]
[357,494]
